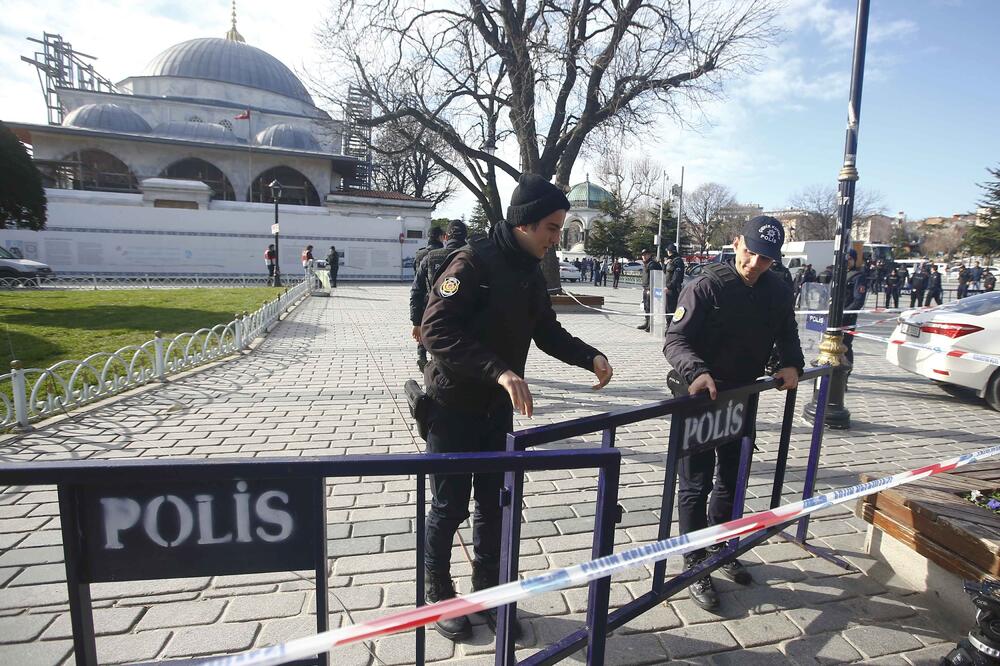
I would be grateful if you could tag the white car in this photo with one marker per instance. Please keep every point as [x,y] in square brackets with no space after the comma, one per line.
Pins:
[971,324]
[569,272]
[12,266]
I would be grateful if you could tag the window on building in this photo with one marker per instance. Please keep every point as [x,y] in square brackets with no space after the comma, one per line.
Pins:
[194,168]
[414,233]
[225,123]
[195,119]
[296,189]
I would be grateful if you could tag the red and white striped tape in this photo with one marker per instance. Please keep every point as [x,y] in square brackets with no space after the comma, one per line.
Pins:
[579,574]
[953,353]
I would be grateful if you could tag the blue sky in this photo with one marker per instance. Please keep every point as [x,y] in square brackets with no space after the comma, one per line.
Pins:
[929,112]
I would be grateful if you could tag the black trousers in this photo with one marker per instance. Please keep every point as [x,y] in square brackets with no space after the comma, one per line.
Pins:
[892,297]
[451,431]
[672,298]
[963,290]
[715,471]
[645,304]
[333,278]
[916,297]
[933,295]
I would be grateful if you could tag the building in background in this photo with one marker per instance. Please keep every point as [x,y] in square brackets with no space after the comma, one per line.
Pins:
[588,202]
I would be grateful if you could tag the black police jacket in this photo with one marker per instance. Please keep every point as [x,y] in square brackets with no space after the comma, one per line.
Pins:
[423,279]
[651,265]
[726,328]
[919,281]
[934,283]
[674,273]
[481,317]
[422,252]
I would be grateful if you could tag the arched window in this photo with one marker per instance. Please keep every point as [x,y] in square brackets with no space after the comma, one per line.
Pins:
[225,123]
[93,169]
[195,119]
[194,168]
[295,187]
[573,234]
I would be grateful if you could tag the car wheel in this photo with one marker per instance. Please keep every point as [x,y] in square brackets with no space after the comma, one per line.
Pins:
[993,391]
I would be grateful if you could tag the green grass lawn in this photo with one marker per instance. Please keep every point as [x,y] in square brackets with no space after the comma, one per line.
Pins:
[40,328]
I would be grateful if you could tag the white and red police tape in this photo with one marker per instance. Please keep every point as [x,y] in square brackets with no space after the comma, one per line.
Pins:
[580,573]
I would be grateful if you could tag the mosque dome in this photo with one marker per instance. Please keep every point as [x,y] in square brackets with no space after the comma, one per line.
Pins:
[288,136]
[108,117]
[229,61]
[588,195]
[195,131]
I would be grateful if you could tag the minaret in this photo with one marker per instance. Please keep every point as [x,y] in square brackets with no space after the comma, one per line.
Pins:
[234,35]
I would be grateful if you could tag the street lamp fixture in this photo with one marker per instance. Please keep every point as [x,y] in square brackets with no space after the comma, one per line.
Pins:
[276,195]
[490,148]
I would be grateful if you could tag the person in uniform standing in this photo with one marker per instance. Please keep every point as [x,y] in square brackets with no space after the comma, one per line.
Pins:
[673,273]
[964,278]
[855,292]
[918,283]
[488,303]
[433,243]
[333,265]
[934,288]
[989,280]
[423,280]
[648,264]
[726,323]
[892,289]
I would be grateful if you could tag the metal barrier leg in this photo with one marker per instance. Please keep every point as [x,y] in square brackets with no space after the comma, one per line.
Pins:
[781,463]
[513,493]
[604,543]
[80,612]
[421,635]
[322,584]
[667,500]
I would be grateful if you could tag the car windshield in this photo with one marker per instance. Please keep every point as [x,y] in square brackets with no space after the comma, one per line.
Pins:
[981,304]
[4,254]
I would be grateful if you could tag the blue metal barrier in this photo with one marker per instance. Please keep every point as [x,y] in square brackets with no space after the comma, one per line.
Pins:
[79,480]
[599,621]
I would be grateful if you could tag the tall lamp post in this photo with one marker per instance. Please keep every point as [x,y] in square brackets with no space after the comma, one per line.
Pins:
[276,195]
[832,349]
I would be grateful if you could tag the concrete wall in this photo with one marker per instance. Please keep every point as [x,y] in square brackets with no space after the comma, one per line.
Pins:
[108,233]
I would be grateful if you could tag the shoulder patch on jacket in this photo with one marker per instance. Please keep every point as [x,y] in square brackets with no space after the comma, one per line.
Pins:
[449,287]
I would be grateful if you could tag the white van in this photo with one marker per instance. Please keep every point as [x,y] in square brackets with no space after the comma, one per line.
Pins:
[13,267]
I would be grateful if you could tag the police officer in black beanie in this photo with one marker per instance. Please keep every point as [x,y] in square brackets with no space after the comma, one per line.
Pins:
[489,301]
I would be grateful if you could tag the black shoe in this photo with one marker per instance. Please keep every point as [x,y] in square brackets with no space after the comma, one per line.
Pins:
[703,593]
[736,572]
[484,577]
[438,586]
[643,327]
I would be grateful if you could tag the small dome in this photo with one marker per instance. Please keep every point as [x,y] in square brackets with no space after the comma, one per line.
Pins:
[288,136]
[196,131]
[588,195]
[229,61]
[109,117]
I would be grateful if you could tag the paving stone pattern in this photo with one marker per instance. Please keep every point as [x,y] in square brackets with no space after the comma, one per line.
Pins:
[328,381]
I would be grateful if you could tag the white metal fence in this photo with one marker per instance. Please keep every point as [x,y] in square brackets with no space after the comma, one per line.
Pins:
[32,394]
[96,282]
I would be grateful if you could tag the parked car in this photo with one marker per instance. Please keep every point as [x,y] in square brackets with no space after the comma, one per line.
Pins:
[632,267]
[971,324]
[13,267]
[569,272]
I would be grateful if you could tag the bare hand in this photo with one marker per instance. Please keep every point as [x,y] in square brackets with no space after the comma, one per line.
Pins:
[416,333]
[703,382]
[604,372]
[789,378]
[517,389]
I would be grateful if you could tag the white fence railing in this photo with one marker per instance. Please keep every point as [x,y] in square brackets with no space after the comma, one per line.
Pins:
[96,282]
[32,394]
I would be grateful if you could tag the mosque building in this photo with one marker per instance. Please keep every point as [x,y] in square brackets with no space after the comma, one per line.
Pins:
[587,200]
[171,170]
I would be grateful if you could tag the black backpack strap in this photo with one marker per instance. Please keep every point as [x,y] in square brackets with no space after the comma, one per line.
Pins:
[721,276]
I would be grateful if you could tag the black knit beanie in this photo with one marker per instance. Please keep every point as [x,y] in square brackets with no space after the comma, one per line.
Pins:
[534,198]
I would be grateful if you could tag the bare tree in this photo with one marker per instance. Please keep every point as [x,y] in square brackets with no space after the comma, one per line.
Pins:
[631,182]
[945,241]
[820,204]
[405,164]
[546,75]
[702,218]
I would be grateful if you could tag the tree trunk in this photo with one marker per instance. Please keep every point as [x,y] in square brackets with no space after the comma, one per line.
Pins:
[550,269]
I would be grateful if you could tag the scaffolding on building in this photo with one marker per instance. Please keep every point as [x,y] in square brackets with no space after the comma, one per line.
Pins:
[358,134]
[60,66]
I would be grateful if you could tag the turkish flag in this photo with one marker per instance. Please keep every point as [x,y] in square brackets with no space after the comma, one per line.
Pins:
[243,116]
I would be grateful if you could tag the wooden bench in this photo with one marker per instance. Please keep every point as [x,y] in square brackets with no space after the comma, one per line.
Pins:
[932,518]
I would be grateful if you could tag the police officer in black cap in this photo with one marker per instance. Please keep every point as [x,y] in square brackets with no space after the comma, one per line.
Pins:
[488,303]
[725,325]
[423,279]
[673,273]
[648,264]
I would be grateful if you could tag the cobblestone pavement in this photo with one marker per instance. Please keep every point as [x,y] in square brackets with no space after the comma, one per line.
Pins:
[328,381]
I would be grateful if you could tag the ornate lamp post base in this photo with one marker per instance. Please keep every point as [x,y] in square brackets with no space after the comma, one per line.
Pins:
[832,352]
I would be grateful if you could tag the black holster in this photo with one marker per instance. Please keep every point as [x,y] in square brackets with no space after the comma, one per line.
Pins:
[678,385]
[419,403]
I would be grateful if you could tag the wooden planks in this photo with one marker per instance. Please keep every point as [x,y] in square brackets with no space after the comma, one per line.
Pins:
[930,517]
